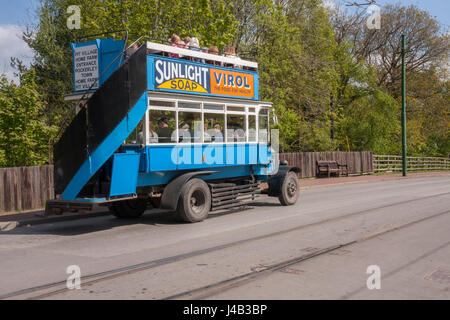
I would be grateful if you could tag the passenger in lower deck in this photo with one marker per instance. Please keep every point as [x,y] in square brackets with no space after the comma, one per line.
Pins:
[218,135]
[163,131]
[152,135]
[184,133]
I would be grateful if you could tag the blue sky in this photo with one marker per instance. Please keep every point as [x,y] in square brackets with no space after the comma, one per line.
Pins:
[440,9]
[16,14]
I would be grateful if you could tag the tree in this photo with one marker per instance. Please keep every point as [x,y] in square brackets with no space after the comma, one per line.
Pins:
[329,77]
[428,113]
[24,134]
[211,21]
[371,123]
[382,48]
[293,44]
[365,52]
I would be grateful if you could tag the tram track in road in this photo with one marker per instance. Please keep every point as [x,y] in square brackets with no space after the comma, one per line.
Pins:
[59,287]
[224,285]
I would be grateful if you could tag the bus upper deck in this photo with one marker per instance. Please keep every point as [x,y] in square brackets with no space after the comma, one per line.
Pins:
[169,69]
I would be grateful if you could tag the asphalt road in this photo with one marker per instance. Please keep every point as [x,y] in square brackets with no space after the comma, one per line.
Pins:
[320,248]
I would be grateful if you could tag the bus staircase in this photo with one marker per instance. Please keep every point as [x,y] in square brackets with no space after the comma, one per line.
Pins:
[94,138]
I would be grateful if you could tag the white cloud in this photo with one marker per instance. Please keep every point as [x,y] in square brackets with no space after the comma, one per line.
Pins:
[329,4]
[12,45]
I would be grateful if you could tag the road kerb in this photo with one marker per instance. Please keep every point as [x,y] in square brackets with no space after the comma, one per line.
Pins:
[10,225]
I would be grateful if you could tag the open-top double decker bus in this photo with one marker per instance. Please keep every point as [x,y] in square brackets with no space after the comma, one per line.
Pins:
[165,127]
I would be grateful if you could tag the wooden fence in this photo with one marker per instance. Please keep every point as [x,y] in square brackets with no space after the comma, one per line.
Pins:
[384,163]
[358,162]
[25,188]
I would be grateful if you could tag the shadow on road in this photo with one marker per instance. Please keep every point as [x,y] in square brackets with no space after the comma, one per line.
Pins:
[85,225]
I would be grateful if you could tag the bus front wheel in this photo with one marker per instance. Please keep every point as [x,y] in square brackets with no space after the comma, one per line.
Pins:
[289,189]
[195,201]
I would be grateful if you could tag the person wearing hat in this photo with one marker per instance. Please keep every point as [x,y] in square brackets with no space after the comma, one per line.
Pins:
[195,45]
[163,131]
[230,52]
[184,132]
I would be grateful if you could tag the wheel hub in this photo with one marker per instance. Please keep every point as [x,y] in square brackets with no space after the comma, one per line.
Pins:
[197,201]
[291,188]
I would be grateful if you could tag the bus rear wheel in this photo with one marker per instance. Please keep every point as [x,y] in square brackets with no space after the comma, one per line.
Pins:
[195,201]
[128,209]
[289,190]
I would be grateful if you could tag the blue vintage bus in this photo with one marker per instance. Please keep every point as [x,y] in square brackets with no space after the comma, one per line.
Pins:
[166,127]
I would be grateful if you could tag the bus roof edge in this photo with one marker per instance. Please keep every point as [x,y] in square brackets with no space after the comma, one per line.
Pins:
[153,47]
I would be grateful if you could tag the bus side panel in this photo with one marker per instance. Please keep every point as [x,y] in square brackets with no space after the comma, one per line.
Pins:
[230,160]
[206,156]
[252,155]
[124,175]
[160,158]
[263,153]
[163,178]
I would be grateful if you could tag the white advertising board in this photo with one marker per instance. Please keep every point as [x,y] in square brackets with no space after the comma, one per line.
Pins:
[85,67]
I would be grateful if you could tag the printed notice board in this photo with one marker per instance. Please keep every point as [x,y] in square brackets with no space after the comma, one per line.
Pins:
[85,61]
[95,61]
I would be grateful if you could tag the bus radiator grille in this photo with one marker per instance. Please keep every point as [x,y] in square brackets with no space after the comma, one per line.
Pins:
[229,195]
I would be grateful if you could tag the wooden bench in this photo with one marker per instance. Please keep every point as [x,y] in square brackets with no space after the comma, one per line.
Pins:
[330,166]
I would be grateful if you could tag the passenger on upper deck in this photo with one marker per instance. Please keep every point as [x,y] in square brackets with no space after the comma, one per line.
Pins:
[193,44]
[176,42]
[230,52]
[213,50]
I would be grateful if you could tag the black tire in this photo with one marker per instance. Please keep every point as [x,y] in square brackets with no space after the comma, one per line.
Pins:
[289,190]
[195,201]
[128,209]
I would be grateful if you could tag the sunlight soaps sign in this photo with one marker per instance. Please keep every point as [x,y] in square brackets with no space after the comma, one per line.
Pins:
[177,76]
[85,63]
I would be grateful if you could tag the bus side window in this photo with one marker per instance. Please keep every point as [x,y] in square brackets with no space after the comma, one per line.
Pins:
[137,136]
[214,126]
[251,128]
[235,128]
[263,126]
[161,126]
[189,126]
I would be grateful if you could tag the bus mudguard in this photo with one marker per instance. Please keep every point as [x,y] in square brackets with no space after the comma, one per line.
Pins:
[276,180]
[171,194]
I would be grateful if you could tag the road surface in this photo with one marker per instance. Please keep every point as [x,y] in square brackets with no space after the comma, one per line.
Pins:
[335,243]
